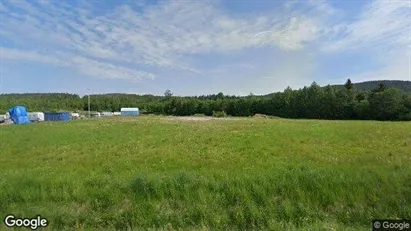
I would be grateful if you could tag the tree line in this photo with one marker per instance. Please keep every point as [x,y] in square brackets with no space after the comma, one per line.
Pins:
[311,102]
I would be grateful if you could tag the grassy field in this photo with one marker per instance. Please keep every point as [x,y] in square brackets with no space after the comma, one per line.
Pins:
[153,172]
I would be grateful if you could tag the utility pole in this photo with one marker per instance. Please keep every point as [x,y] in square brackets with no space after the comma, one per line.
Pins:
[89,114]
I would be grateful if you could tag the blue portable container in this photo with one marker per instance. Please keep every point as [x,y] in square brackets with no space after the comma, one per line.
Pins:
[18,115]
[130,111]
[57,116]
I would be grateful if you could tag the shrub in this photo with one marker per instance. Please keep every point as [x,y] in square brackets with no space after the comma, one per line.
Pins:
[405,117]
[219,114]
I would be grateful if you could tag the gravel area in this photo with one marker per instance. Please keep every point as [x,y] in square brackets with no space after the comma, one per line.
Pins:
[198,118]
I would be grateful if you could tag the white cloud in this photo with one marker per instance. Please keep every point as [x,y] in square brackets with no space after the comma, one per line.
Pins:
[139,40]
[382,31]
[101,70]
[398,68]
[108,71]
[161,35]
[322,7]
[226,69]
[301,67]
[383,25]
[17,55]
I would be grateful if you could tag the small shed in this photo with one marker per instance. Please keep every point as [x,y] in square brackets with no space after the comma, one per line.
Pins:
[57,116]
[36,116]
[130,111]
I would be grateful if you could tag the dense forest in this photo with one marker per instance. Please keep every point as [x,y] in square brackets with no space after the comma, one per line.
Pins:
[370,85]
[382,102]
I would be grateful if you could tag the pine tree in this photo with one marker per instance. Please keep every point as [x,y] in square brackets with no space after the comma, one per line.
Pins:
[381,87]
[349,85]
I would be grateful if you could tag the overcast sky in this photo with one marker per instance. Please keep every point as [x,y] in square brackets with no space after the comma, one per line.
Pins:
[195,47]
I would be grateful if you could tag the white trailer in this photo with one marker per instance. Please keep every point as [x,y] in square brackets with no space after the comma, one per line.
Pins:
[107,113]
[36,116]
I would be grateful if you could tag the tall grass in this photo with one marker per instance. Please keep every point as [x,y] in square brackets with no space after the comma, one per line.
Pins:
[149,172]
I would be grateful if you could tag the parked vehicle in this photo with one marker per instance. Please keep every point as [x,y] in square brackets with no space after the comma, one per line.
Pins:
[96,115]
[36,116]
[75,116]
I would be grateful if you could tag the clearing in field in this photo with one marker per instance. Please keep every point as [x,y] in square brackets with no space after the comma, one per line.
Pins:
[153,172]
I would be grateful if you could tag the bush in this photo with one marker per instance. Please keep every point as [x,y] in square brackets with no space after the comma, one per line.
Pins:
[219,114]
[406,117]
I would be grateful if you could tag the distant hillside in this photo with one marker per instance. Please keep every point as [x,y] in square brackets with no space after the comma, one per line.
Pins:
[369,85]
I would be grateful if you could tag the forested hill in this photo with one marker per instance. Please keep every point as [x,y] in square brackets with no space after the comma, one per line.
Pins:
[383,102]
[370,85]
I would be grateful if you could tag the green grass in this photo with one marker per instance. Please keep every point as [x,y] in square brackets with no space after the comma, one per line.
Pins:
[152,172]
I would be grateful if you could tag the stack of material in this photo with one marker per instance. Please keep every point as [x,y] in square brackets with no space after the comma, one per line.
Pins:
[2,118]
[19,115]
[75,116]
[5,119]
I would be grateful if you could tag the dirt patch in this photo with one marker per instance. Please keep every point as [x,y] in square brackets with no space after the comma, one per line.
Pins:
[189,118]
[199,118]
[261,116]
[230,118]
